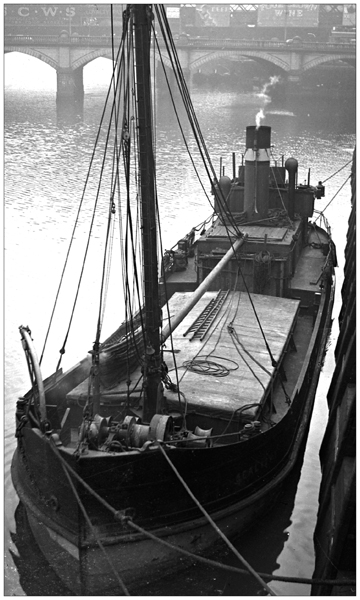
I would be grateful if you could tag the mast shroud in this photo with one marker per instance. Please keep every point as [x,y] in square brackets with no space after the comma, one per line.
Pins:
[152,379]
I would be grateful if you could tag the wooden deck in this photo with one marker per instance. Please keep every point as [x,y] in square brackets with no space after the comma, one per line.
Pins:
[254,372]
[308,272]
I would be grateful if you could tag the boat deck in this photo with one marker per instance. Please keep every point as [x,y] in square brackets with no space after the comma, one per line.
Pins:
[244,353]
[310,265]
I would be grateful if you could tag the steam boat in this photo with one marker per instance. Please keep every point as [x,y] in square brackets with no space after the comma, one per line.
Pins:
[182,426]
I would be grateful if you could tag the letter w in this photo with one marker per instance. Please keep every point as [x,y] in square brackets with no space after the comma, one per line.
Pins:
[52,10]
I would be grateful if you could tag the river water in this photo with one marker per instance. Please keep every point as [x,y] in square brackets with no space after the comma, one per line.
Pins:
[47,151]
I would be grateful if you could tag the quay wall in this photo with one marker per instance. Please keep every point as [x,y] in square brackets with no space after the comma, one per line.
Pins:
[335,532]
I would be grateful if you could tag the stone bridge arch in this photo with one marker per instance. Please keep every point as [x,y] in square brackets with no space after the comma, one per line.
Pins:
[164,58]
[315,61]
[36,54]
[261,56]
[84,60]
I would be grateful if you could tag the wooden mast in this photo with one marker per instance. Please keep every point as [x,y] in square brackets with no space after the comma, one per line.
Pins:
[152,379]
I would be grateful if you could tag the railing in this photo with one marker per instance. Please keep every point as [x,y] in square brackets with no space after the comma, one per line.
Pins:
[270,45]
[55,40]
[77,40]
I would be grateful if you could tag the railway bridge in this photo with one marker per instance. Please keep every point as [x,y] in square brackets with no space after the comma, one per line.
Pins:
[69,54]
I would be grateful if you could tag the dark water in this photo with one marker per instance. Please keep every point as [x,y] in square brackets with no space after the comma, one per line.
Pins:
[47,152]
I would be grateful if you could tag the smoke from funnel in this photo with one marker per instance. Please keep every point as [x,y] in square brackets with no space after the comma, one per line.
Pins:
[259,117]
[263,94]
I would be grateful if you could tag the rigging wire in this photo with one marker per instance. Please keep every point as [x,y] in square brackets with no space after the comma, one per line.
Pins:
[170,46]
[76,221]
[333,198]
[338,171]
[62,351]
[195,126]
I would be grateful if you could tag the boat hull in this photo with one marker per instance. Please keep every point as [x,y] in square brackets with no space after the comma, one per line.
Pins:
[138,559]
[84,566]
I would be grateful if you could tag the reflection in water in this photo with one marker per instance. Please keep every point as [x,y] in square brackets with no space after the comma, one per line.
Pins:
[36,577]
[47,152]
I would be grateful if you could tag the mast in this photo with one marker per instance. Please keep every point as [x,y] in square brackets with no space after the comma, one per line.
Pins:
[152,379]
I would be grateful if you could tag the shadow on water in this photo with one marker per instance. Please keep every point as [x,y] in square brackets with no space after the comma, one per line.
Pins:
[260,546]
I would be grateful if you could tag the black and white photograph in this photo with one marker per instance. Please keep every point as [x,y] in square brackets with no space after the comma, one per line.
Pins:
[179,293]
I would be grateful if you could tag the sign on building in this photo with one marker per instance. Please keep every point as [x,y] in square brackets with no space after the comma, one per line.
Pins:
[288,15]
[59,14]
[212,15]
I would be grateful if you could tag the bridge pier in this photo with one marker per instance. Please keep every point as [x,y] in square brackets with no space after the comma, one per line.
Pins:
[70,84]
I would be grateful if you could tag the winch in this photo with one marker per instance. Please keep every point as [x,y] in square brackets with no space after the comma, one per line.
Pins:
[106,435]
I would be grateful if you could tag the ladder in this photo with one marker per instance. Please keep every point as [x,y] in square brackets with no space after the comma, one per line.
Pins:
[203,322]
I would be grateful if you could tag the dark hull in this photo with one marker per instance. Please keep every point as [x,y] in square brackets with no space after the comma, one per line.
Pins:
[234,483]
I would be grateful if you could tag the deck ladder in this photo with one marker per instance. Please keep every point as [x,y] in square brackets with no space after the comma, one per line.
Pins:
[203,322]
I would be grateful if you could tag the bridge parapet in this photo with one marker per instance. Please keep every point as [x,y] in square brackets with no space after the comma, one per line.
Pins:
[68,54]
[202,44]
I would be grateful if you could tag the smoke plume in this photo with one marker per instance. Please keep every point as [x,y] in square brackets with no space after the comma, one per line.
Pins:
[264,96]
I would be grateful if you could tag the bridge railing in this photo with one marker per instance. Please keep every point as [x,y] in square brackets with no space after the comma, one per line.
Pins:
[268,44]
[56,40]
[101,41]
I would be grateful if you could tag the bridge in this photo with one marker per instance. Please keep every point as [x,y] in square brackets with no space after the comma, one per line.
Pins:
[68,54]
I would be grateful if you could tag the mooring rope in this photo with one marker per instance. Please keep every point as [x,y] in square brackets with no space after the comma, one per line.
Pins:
[126,519]
[97,539]
[119,515]
[217,529]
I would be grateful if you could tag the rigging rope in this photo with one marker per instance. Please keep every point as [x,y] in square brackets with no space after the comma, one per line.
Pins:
[62,350]
[75,226]
[333,198]
[194,123]
[338,171]
[167,35]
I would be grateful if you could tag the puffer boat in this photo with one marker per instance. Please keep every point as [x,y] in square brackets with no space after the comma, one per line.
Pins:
[190,417]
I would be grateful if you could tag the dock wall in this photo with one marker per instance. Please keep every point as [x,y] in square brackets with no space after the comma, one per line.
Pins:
[335,532]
